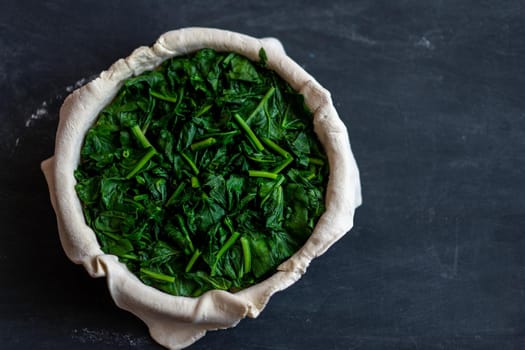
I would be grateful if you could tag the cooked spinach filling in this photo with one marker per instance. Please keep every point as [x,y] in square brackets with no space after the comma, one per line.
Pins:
[203,174]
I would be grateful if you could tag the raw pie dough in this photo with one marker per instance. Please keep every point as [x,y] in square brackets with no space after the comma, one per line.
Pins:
[174,321]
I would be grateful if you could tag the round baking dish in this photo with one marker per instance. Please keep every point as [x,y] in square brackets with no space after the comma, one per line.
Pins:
[175,321]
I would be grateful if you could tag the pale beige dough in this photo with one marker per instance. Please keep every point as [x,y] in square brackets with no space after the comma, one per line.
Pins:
[176,322]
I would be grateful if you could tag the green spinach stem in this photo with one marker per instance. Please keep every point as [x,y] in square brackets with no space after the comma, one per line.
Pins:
[175,194]
[261,104]
[140,197]
[316,161]
[283,165]
[277,184]
[203,110]
[141,163]
[262,173]
[164,97]
[137,131]
[195,182]
[224,133]
[129,257]
[203,144]
[247,255]
[111,235]
[223,250]
[249,132]
[193,259]
[190,163]
[275,147]
[157,275]
[185,232]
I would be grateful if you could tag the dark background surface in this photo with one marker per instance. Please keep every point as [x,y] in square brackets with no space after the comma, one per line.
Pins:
[432,93]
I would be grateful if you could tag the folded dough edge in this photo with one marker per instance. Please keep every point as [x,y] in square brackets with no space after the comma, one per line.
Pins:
[176,322]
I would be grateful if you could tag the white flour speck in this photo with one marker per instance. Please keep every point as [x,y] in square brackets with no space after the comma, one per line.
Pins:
[355,36]
[101,336]
[76,85]
[424,43]
[42,112]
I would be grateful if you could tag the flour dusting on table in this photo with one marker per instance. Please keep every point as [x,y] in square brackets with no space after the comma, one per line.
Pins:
[46,111]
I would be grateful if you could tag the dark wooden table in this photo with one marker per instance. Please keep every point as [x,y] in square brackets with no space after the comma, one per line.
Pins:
[433,94]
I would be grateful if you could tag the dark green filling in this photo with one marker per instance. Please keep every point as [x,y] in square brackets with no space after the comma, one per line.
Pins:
[203,174]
